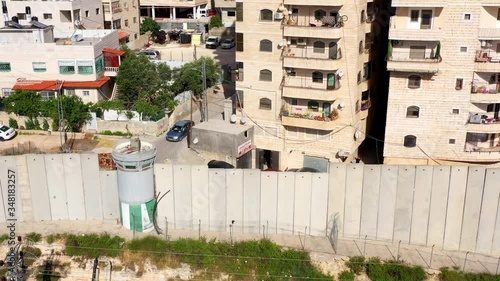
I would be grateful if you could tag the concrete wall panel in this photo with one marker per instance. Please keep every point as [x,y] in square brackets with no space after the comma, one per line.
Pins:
[14,210]
[39,189]
[472,209]
[56,184]
[302,206]
[92,186]
[269,201]
[74,186]
[183,196]
[319,204]
[336,192]
[352,203]
[387,202]
[164,181]
[489,211]
[200,200]
[454,211]
[369,203]
[234,194]
[286,202]
[404,203]
[217,193]
[437,212]
[421,205]
[251,201]
[110,198]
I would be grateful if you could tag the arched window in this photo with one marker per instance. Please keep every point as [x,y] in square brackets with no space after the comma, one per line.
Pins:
[266,15]
[313,106]
[410,141]
[414,81]
[333,51]
[412,112]
[319,47]
[266,75]
[319,14]
[317,77]
[265,103]
[266,46]
[363,16]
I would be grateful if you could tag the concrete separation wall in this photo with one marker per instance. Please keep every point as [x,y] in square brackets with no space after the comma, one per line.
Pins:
[149,128]
[454,208]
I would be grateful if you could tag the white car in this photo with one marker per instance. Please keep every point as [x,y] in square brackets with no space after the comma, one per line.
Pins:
[6,133]
[228,43]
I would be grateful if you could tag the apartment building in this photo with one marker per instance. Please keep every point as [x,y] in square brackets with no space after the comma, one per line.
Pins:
[444,99]
[227,10]
[123,15]
[40,58]
[174,9]
[64,15]
[305,76]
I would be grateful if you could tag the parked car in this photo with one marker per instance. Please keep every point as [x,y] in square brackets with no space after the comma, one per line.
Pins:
[303,170]
[179,131]
[212,42]
[151,54]
[216,164]
[6,133]
[228,43]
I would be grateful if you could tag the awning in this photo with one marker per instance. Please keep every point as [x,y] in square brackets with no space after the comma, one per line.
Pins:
[122,34]
[87,84]
[113,51]
[50,85]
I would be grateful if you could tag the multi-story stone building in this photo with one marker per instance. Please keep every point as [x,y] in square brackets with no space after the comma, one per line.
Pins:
[444,68]
[304,78]
[124,16]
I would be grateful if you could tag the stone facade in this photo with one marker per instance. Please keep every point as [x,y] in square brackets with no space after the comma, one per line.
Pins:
[289,64]
[440,46]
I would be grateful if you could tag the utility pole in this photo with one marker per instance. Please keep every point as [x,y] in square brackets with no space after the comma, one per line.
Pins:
[190,136]
[205,94]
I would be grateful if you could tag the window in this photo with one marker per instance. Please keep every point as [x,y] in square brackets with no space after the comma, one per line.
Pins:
[414,81]
[70,92]
[451,141]
[266,15]
[86,93]
[414,15]
[265,103]
[21,16]
[7,92]
[412,112]
[317,77]
[319,14]
[239,11]
[231,13]
[456,111]
[47,95]
[410,141]
[5,67]
[39,67]
[85,67]
[467,16]
[360,47]
[117,24]
[498,14]
[313,106]
[366,71]
[463,49]
[126,22]
[87,14]
[97,11]
[363,16]
[426,20]
[417,52]
[294,102]
[490,107]
[266,75]
[99,64]
[47,16]
[459,83]
[239,41]
[319,47]
[266,46]
[359,77]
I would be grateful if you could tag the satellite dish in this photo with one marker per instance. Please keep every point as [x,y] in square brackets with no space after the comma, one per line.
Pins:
[280,45]
[243,119]
[357,134]
[341,105]
[340,73]
[233,118]
[195,141]
[78,23]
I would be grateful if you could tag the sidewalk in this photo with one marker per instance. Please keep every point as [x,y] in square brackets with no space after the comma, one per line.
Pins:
[320,248]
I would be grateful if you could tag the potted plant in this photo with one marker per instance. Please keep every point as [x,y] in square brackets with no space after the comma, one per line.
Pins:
[284,111]
[334,114]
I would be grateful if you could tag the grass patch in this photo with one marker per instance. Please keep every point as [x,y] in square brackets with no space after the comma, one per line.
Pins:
[356,264]
[92,245]
[393,270]
[56,237]
[346,276]
[31,254]
[4,237]
[116,133]
[35,237]
[448,274]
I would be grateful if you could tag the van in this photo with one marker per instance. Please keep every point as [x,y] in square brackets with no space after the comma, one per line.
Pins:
[151,54]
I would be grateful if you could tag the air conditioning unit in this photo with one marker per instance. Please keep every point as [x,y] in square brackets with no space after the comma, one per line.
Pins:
[278,16]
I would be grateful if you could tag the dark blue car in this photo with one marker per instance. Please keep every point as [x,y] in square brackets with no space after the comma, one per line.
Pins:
[179,131]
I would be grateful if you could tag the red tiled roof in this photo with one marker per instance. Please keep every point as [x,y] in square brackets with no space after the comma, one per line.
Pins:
[50,85]
[122,34]
[113,51]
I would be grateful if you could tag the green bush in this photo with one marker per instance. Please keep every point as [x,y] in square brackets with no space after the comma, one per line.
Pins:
[31,255]
[393,271]
[93,245]
[215,21]
[356,264]
[56,237]
[117,133]
[346,276]
[32,124]
[4,237]
[35,237]
[13,123]
[45,125]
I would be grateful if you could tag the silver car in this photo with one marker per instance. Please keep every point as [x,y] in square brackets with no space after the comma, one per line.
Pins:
[151,54]
[228,43]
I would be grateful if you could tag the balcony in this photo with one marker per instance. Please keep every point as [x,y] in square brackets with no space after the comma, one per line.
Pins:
[489,34]
[400,31]
[111,71]
[303,87]
[306,58]
[484,62]
[483,123]
[473,151]
[485,93]
[412,65]
[419,3]
[310,121]
[316,3]
[312,31]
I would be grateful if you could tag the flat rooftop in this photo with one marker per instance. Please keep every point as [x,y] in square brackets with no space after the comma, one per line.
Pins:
[222,126]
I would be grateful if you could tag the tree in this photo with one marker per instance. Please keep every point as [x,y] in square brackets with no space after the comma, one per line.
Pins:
[189,77]
[215,21]
[24,103]
[149,24]
[75,112]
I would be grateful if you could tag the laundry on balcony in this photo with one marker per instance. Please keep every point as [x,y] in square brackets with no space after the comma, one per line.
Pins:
[482,56]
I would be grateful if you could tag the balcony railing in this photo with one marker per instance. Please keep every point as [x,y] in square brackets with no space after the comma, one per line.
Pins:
[485,88]
[474,148]
[310,120]
[483,118]
[308,83]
